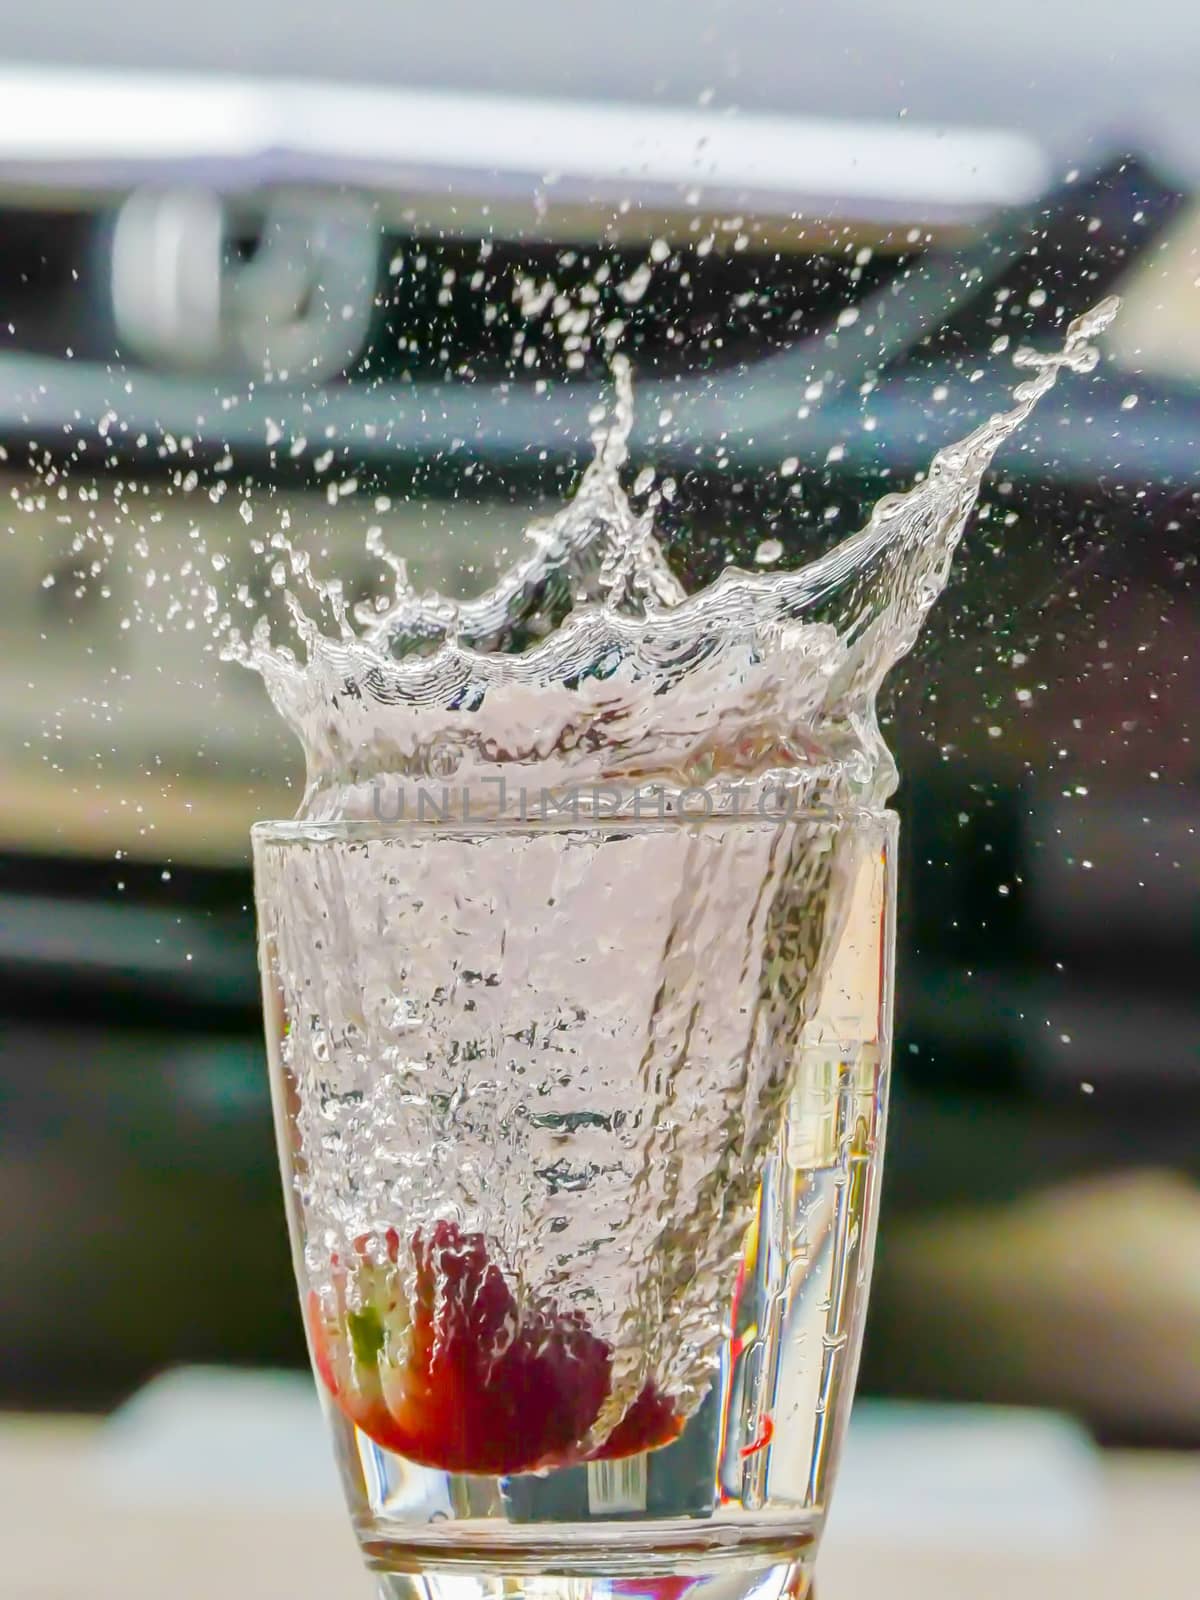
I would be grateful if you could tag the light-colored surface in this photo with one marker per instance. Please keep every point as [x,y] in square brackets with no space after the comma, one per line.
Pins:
[1085,1295]
[62,1534]
[1158,331]
[1060,70]
[422,140]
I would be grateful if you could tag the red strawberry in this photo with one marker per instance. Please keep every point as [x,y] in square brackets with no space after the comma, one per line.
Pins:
[460,1379]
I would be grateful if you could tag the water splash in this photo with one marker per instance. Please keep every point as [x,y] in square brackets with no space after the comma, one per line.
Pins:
[588,663]
[581,1045]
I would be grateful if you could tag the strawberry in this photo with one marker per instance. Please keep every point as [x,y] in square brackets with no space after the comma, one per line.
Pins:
[462,1379]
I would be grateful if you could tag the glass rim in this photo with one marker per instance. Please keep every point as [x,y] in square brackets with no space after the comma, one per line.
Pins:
[295,830]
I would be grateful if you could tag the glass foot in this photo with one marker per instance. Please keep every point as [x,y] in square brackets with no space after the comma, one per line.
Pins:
[721,1577]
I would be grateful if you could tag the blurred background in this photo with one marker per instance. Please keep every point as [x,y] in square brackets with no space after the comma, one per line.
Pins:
[221,238]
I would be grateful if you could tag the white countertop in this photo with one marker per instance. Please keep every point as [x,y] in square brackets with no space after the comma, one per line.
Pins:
[80,1515]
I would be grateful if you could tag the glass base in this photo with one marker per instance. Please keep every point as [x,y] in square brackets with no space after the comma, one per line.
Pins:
[595,1572]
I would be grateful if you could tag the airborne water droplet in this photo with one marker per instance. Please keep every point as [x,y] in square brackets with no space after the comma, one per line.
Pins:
[588,661]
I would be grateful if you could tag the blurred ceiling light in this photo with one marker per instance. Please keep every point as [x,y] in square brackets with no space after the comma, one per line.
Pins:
[108,127]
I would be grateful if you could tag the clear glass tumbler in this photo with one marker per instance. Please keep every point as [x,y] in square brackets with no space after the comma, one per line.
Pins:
[581,1124]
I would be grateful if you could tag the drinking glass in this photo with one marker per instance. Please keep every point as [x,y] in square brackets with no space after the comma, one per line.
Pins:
[581,1123]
